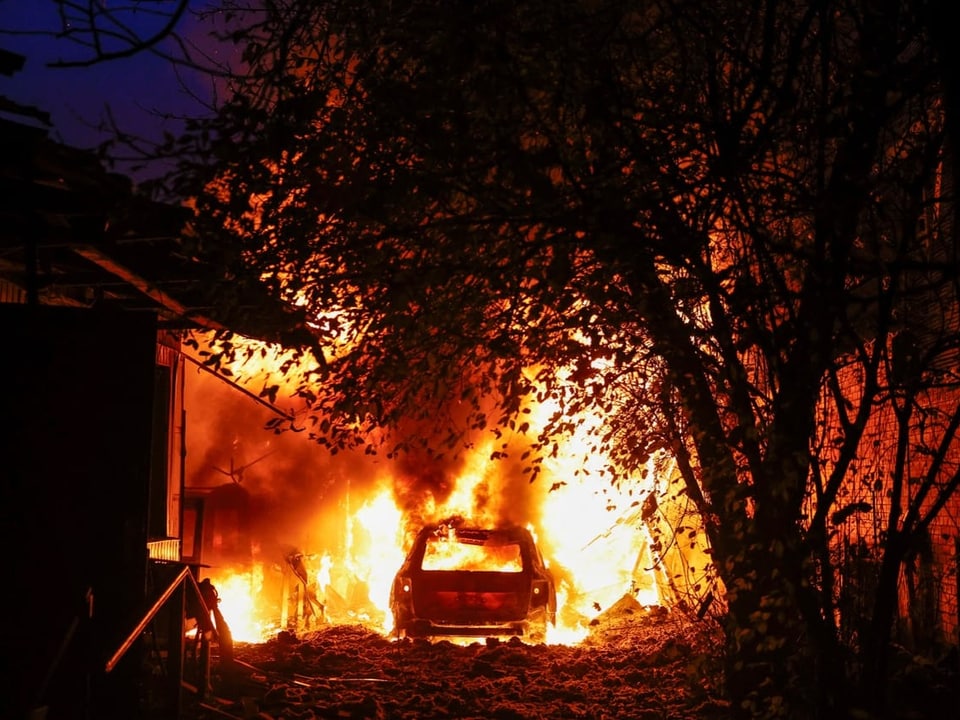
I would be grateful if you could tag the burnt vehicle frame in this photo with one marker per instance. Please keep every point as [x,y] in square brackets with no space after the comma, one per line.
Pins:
[431,598]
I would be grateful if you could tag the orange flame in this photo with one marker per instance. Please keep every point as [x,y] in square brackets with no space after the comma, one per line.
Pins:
[591,538]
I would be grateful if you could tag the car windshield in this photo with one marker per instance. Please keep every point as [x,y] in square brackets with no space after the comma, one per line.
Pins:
[449,553]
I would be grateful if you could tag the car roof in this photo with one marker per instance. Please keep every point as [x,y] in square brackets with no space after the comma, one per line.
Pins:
[514,533]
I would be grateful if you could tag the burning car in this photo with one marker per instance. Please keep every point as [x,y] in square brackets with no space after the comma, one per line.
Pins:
[473,581]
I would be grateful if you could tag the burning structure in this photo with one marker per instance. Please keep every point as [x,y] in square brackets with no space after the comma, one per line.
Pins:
[347,521]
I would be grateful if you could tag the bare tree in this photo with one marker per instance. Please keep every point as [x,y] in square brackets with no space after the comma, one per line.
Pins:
[99,32]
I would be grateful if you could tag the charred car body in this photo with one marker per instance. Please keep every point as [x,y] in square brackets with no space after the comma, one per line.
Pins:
[473,581]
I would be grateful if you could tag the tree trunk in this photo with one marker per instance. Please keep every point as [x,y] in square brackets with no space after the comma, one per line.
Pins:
[779,662]
[875,648]
[762,651]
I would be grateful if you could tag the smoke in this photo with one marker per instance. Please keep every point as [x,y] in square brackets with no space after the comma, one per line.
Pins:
[297,491]
[301,496]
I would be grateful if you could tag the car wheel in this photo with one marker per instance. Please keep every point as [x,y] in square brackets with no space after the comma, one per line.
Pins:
[399,624]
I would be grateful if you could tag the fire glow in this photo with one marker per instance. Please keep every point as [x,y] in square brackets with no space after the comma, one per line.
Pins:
[589,532]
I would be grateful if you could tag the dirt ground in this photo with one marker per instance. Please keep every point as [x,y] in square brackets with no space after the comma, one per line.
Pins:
[636,664]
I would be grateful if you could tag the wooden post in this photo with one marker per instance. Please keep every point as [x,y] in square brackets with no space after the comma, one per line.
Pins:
[300,601]
[204,664]
[176,646]
[284,597]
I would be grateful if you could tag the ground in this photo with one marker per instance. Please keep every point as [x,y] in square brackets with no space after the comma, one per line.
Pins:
[636,664]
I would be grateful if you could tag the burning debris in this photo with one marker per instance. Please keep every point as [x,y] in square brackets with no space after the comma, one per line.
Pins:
[311,609]
[211,624]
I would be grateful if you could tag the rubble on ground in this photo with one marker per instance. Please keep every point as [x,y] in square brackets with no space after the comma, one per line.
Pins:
[637,663]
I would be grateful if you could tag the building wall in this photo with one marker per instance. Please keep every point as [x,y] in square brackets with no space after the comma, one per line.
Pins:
[77,408]
[928,603]
[169,447]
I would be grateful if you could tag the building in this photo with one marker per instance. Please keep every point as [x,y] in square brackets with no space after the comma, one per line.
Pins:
[95,287]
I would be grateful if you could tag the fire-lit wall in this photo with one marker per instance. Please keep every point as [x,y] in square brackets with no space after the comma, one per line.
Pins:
[169,449]
[928,589]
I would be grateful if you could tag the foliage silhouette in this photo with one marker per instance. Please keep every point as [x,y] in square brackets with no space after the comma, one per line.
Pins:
[709,224]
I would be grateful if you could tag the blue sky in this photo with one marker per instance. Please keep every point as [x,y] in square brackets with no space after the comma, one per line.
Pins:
[136,88]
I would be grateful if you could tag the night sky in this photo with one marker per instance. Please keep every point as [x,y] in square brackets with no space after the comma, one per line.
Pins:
[137,89]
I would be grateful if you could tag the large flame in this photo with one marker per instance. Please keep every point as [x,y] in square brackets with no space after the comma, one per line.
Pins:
[329,536]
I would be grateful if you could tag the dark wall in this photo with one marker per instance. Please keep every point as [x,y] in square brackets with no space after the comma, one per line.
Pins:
[77,407]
